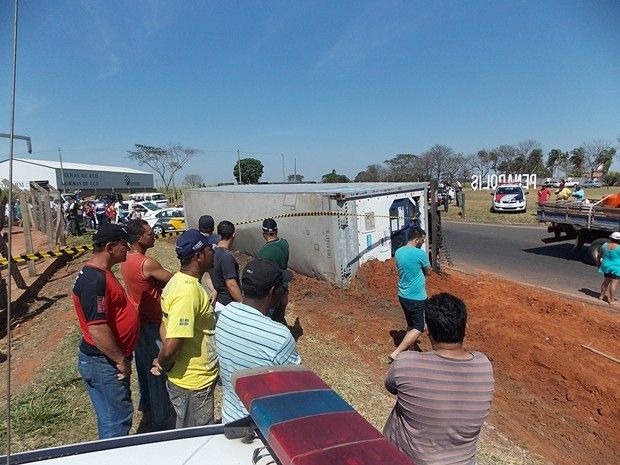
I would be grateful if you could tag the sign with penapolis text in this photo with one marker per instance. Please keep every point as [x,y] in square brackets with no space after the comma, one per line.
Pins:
[491,181]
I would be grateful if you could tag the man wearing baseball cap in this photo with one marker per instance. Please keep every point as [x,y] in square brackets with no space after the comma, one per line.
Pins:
[110,325]
[276,249]
[188,330]
[246,337]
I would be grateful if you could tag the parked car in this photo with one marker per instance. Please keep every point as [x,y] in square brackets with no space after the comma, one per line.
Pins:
[155,197]
[165,213]
[592,183]
[509,197]
[169,224]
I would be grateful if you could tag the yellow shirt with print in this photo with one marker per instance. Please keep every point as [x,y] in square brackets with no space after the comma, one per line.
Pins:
[563,194]
[188,314]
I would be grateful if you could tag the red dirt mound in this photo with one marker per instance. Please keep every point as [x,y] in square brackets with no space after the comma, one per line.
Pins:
[551,395]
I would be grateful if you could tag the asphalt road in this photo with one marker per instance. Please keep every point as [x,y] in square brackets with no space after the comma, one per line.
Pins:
[517,253]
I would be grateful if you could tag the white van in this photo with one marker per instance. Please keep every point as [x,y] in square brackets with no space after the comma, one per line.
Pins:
[157,198]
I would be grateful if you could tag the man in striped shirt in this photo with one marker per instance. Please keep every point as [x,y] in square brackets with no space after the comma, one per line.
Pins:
[443,396]
[245,336]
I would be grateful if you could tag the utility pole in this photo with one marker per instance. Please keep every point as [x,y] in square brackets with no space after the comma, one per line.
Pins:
[62,171]
[239,167]
[295,171]
[283,173]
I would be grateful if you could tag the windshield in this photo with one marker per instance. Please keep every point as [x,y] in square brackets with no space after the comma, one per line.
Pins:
[150,206]
[508,190]
[158,197]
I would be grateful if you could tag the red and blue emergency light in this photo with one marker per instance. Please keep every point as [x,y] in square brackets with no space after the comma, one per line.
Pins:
[306,423]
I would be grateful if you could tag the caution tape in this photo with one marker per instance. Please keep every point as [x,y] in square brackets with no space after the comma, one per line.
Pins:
[64,252]
[70,251]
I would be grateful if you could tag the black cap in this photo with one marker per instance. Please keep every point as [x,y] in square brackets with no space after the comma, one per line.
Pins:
[270,225]
[261,274]
[206,223]
[108,232]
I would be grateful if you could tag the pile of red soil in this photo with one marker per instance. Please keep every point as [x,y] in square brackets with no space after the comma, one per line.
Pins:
[551,395]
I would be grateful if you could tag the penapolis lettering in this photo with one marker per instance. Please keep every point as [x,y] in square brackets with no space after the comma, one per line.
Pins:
[493,180]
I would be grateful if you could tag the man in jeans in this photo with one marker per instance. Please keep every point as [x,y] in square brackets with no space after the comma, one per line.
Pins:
[188,330]
[109,324]
[144,279]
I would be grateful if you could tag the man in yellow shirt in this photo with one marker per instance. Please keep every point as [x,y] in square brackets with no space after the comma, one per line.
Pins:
[188,353]
[563,193]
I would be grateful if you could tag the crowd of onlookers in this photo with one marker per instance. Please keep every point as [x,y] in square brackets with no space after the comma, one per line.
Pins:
[80,214]
[190,330]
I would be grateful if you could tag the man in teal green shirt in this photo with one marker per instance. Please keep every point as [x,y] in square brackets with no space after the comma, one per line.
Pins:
[276,250]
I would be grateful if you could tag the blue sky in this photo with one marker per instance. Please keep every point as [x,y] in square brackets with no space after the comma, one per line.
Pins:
[336,85]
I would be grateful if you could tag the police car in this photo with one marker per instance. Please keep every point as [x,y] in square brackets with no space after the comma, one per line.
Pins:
[509,197]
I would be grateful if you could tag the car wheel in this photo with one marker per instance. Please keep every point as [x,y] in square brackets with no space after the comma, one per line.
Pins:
[158,230]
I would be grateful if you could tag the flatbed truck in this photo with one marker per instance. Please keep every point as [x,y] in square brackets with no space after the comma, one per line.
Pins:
[587,223]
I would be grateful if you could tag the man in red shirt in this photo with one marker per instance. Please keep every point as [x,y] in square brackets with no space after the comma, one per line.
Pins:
[144,279]
[109,324]
[543,194]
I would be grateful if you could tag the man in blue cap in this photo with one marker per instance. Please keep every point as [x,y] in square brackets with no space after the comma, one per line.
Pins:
[188,333]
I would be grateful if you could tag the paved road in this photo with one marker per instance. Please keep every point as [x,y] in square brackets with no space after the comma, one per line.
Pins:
[517,253]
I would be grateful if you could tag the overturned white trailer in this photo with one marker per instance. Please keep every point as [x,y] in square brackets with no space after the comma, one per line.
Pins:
[331,228]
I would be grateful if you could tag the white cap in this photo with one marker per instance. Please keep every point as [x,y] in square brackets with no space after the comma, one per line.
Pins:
[615,236]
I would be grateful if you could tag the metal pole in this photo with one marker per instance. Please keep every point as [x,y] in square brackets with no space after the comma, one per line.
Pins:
[62,171]
[239,167]
[10,254]
[296,180]
[283,173]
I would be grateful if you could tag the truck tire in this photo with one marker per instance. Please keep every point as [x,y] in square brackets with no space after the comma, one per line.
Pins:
[595,245]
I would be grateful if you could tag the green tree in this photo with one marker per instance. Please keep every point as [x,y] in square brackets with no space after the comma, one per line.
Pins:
[295,178]
[165,161]
[592,153]
[334,177]
[372,173]
[577,161]
[606,158]
[251,171]
[403,167]
[611,178]
[558,162]
[535,163]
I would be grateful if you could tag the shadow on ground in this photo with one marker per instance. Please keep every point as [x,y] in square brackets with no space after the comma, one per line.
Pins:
[296,330]
[562,251]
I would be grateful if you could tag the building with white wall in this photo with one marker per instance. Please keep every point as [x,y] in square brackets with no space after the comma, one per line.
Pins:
[77,176]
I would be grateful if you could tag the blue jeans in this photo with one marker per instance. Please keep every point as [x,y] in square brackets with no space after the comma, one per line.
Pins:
[111,397]
[153,393]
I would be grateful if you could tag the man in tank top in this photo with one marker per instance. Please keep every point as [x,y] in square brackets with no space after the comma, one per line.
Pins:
[144,279]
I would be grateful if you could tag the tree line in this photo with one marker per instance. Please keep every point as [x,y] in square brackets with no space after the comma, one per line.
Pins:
[443,163]
[438,162]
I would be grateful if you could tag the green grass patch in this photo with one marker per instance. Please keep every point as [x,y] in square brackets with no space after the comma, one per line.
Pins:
[55,408]
[478,207]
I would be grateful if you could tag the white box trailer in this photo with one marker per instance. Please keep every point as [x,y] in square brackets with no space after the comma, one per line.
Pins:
[331,228]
